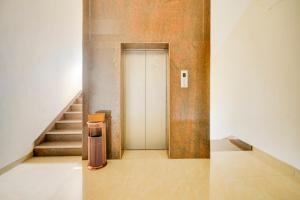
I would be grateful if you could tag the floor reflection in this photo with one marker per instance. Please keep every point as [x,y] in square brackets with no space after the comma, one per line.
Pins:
[147,175]
[151,175]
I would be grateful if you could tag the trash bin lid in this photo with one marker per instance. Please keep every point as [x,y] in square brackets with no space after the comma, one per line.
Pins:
[97,117]
[94,124]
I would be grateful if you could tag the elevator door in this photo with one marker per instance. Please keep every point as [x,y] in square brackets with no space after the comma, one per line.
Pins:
[145,73]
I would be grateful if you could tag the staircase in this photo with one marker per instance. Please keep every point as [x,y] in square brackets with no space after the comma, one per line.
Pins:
[65,137]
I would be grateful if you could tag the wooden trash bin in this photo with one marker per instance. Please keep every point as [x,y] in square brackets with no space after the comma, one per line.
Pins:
[96,141]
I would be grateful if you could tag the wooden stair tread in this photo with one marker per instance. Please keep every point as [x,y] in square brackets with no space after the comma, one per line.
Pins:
[73,112]
[65,121]
[65,131]
[59,145]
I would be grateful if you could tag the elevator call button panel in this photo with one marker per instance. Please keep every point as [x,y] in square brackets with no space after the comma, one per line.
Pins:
[184,79]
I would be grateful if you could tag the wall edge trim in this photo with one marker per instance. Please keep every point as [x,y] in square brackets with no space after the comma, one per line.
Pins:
[282,166]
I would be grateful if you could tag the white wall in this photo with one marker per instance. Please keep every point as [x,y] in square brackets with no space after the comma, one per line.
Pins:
[256,76]
[40,68]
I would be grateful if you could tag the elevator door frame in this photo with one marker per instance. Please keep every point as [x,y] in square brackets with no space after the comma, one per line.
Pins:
[145,46]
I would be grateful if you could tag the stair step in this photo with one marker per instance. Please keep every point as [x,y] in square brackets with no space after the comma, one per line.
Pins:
[58,149]
[68,124]
[73,115]
[79,100]
[76,107]
[68,131]
[64,135]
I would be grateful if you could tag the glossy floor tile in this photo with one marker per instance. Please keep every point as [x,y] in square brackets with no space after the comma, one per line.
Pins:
[43,178]
[151,175]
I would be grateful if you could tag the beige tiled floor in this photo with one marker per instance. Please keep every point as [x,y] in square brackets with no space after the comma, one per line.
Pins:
[43,178]
[151,175]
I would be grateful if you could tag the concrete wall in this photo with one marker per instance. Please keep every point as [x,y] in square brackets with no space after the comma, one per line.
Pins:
[185,25]
[40,68]
[255,75]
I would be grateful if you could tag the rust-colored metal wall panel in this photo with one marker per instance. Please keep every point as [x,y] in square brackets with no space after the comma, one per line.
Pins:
[185,25]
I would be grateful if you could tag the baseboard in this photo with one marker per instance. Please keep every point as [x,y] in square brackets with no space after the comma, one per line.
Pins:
[42,136]
[283,167]
[16,162]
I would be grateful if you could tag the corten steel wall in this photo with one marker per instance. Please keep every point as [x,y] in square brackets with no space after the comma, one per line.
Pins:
[185,25]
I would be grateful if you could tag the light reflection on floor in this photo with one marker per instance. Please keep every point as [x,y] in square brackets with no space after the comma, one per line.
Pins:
[151,175]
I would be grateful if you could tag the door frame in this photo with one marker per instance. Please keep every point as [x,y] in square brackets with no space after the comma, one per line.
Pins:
[144,46]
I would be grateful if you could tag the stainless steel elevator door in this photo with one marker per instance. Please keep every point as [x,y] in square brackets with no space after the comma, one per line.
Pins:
[145,89]
[134,71]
